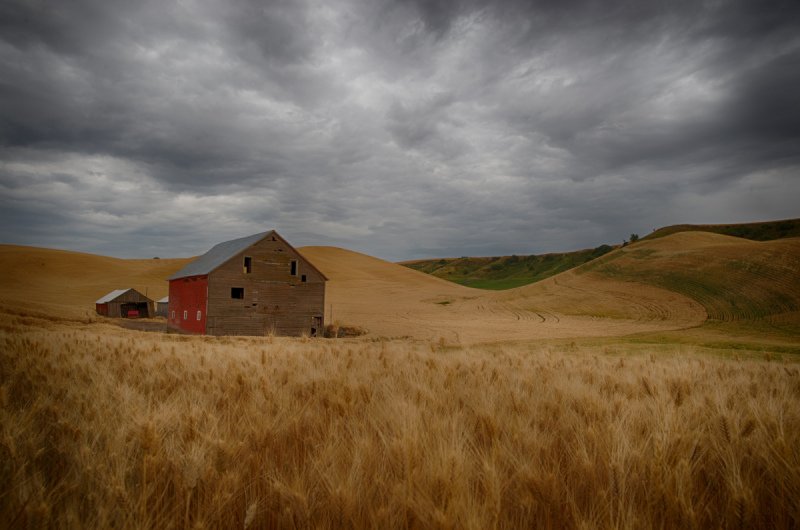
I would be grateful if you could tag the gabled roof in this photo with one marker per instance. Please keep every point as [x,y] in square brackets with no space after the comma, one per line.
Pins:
[221,253]
[164,300]
[112,295]
[218,255]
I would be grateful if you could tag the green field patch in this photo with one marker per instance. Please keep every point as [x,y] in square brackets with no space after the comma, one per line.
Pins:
[495,285]
[506,272]
[711,288]
[766,231]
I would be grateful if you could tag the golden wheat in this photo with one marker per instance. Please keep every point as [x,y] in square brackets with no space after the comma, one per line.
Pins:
[103,427]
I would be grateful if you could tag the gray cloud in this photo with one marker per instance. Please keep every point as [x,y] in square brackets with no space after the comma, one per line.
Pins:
[399,128]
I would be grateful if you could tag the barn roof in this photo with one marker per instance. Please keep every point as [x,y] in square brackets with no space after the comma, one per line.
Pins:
[218,255]
[164,300]
[222,252]
[112,295]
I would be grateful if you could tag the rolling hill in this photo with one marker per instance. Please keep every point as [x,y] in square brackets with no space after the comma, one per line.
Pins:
[64,283]
[507,272]
[764,231]
[733,278]
[670,283]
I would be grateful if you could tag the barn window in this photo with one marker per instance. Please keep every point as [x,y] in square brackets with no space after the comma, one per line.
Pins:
[185,314]
[198,315]
[173,315]
[293,265]
[237,293]
[303,278]
[248,264]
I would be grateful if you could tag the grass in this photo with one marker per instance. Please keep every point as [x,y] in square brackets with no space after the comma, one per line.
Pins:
[103,427]
[765,231]
[505,272]
[509,272]
[732,281]
[496,285]
[754,336]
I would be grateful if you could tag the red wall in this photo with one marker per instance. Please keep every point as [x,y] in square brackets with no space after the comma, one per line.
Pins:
[188,294]
[102,309]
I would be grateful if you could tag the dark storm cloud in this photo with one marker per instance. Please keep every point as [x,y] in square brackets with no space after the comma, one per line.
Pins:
[398,128]
[99,78]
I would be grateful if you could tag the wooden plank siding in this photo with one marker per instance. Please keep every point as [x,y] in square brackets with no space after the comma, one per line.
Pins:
[274,301]
[187,301]
[131,297]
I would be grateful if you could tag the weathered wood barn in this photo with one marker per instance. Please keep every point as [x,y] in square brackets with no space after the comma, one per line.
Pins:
[162,307]
[255,285]
[125,303]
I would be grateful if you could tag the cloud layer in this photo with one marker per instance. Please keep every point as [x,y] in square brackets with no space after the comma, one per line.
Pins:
[401,129]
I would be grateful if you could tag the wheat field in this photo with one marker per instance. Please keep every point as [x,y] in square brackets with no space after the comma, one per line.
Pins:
[103,427]
[656,388]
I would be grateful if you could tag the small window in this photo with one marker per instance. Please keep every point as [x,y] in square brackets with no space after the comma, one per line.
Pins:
[248,264]
[173,315]
[303,278]
[237,293]
[199,313]
[185,314]
[293,264]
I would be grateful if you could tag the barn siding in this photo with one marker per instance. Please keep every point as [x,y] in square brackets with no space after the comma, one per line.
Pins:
[274,300]
[113,308]
[190,295]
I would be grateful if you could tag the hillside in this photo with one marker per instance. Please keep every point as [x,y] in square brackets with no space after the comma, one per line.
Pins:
[395,301]
[670,283]
[733,278]
[764,231]
[65,283]
[508,272]
[505,272]
[385,298]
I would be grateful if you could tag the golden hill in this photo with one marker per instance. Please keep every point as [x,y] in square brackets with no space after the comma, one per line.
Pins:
[66,284]
[669,283]
[733,278]
[395,301]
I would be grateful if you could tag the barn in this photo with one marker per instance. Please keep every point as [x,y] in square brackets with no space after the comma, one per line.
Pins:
[162,306]
[254,285]
[125,303]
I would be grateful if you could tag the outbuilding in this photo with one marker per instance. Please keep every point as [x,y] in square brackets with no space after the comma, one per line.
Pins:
[162,306]
[125,303]
[254,285]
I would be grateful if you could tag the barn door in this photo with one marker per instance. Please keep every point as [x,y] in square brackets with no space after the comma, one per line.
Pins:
[316,326]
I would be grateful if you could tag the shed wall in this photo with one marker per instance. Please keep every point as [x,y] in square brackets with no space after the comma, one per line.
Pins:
[113,308]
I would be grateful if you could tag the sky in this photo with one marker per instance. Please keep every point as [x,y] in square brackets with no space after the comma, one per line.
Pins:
[401,129]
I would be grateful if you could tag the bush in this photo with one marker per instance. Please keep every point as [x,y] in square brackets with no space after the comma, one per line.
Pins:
[337,331]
